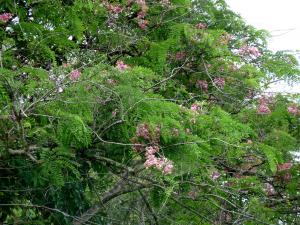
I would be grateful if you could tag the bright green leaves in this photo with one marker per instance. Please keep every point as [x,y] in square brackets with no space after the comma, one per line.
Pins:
[220,125]
[83,130]
[157,55]
[271,157]
[137,76]
[281,65]
[72,131]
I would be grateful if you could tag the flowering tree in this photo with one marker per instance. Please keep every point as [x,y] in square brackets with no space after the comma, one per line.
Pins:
[143,112]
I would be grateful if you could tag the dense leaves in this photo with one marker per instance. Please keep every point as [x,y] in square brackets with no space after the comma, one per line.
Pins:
[143,112]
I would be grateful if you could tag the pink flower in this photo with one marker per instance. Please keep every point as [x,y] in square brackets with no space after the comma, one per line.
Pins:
[141,14]
[265,100]
[202,84]
[180,55]
[263,109]
[195,107]
[219,82]
[114,9]
[151,150]
[143,24]
[75,74]
[249,50]
[151,161]
[215,175]
[168,167]
[121,65]
[4,17]
[143,131]
[284,166]
[160,163]
[201,26]
[114,113]
[254,51]
[293,110]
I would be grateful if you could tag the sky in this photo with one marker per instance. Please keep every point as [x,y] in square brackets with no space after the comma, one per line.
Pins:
[281,19]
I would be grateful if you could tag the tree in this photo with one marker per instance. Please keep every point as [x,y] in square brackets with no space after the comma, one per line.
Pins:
[143,112]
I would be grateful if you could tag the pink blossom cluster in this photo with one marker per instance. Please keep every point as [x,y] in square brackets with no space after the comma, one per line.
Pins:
[263,107]
[143,131]
[202,84]
[219,82]
[284,166]
[293,110]
[249,50]
[141,15]
[201,26]
[4,17]
[143,24]
[75,74]
[180,55]
[161,163]
[195,107]
[115,9]
[121,65]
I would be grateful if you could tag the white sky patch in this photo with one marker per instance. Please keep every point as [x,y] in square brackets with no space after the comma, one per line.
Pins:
[281,19]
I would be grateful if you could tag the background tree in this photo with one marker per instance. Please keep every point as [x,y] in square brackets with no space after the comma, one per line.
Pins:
[143,112]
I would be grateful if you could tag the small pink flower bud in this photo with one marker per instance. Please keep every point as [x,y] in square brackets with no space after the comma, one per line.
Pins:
[4,17]
[201,26]
[75,74]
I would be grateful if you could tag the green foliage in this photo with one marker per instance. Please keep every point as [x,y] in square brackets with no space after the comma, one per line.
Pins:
[57,165]
[72,131]
[271,156]
[89,88]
